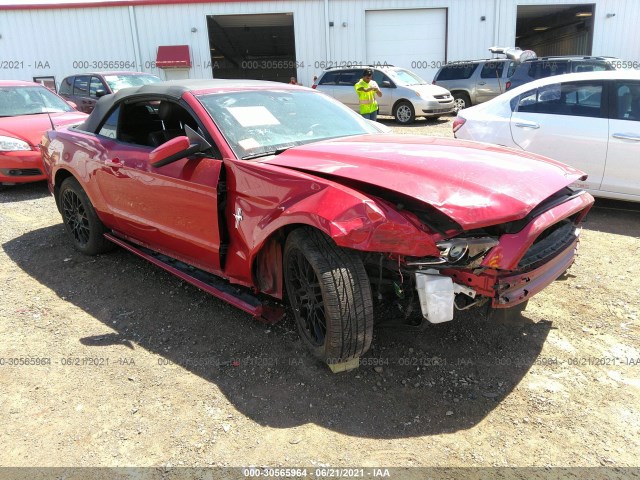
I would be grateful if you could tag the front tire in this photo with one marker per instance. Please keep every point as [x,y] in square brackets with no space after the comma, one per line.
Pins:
[405,113]
[461,101]
[330,294]
[81,222]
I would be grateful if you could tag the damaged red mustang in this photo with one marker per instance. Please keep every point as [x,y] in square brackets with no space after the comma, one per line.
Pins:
[259,192]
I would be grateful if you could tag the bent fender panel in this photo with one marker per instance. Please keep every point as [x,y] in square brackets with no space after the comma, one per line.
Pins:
[73,153]
[270,198]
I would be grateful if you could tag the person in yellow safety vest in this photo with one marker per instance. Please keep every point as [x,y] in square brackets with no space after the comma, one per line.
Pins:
[367,90]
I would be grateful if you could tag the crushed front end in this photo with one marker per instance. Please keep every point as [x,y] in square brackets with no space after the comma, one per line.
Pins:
[499,266]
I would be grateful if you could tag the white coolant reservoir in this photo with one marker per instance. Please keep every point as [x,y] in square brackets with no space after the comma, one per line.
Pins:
[436,296]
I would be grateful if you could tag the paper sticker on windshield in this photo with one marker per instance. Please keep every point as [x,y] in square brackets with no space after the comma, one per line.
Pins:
[248,143]
[111,78]
[253,116]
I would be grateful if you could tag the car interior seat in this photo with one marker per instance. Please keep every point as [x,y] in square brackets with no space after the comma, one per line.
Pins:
[137,122]
[174,118]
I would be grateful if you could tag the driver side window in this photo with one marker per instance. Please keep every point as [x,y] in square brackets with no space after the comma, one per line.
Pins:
[95,86]
[137,122]
[380,78]
[150,123]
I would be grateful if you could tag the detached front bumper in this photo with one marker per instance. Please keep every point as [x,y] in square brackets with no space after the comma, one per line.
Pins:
[514,289]
[21,167]
[524,263]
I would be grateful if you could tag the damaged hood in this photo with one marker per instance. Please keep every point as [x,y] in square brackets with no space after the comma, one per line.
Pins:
[475,184]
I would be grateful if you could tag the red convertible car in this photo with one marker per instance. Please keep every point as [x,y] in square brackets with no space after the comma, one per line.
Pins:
[259,192]
[27,110]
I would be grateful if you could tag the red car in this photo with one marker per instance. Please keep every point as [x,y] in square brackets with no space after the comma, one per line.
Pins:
[27,110]
[259,192]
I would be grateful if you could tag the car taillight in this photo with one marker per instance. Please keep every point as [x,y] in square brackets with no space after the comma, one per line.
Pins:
[433,82]
[457,123]
[507,85]
[314,86]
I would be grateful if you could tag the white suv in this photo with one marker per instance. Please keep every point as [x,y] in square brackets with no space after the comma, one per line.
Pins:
[404,94]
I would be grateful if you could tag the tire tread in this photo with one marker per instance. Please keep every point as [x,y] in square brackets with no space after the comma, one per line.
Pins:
[346,294]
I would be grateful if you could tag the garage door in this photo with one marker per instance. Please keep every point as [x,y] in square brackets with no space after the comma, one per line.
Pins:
[414,39]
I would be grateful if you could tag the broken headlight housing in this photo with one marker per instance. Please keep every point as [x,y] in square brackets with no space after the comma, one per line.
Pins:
[465,251]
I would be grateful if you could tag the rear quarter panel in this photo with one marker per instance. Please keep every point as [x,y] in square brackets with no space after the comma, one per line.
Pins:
[489,123]
[69,151]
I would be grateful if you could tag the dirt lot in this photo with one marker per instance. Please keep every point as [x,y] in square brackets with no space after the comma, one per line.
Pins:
[134,367]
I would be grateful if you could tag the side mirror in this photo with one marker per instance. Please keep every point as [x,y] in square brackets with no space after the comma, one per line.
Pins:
[387,84]
[172,151]
[100,93]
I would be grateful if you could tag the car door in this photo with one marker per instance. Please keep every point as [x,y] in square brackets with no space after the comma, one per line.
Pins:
[97,88]
[565,121]
[171,209]
[345,91]
[388,89]
[81,95]
[622,170]
[490,82]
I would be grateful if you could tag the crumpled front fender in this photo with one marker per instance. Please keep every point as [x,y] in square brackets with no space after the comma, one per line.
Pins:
[271,198]
[361,223]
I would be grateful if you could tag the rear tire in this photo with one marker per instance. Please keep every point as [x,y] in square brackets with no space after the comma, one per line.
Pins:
[81,222]
[329,292]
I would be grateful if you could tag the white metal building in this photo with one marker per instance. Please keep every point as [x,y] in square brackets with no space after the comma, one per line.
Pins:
[277,38]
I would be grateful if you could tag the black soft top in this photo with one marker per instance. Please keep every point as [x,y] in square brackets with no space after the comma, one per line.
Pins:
[173,89]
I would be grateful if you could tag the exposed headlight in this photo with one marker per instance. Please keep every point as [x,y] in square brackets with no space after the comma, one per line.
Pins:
[456,252]
[10,144]
[453,250]
[457,249]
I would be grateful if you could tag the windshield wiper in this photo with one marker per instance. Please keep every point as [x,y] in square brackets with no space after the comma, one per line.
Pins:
[282,149]
[38,113]
[277,151]
[256,155]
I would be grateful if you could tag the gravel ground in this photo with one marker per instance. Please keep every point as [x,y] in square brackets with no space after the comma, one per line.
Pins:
[438,128]
[129,366]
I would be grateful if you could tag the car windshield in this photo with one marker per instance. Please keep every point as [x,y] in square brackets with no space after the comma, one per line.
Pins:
[16,101]
[264,122]
[117,82]
[405,77]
